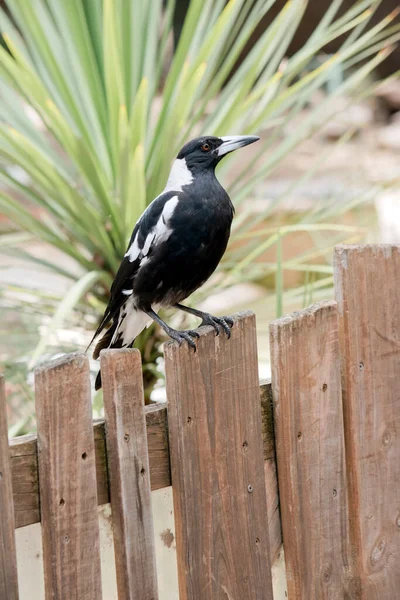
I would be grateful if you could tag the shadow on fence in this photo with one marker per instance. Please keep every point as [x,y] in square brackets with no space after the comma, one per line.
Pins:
[333,438]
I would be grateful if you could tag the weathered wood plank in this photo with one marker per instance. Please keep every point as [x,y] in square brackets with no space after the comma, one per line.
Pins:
[216,450]
[306,388]
[67,480]
[26,483]
[271,480]
[8,557]
[367,284]
[24,467]
[128,466]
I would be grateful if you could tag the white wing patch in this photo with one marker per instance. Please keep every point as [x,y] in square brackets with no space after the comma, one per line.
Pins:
[159,233]
[162,231]
[168,209]
[134,250]
[148,242]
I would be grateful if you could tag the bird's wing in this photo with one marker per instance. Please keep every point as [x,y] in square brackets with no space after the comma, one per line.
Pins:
[151,229]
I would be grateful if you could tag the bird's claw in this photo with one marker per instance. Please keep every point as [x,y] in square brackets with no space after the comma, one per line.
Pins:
[181,336]
[218,323]
[224,323]
[229,320]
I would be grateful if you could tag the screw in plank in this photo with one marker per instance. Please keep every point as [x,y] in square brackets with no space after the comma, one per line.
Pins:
[377,552]
[327,575]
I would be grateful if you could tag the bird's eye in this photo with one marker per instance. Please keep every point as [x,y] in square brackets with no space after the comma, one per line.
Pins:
[206,147]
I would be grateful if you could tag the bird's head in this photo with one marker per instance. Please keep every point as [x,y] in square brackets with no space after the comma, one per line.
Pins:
[206,152]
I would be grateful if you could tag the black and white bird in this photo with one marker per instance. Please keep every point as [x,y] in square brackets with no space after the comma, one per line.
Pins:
[175,246]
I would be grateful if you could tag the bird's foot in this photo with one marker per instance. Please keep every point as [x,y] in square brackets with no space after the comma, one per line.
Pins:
[219,323]
[181,336]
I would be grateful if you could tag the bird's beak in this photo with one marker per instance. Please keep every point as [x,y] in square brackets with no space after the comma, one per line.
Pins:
[233,142]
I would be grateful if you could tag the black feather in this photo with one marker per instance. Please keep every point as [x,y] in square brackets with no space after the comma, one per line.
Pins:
[105,341]
[97,384]
[128,270]
[172,252]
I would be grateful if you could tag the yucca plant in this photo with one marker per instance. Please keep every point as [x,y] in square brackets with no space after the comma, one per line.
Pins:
[95,103]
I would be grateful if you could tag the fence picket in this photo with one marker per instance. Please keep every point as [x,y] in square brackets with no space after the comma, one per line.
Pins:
[310,451]
[67,480]
[24,468]
[26,481]
[271,477]
[129,472]
[340,513]
[217,466]
[367,283]
[8,558]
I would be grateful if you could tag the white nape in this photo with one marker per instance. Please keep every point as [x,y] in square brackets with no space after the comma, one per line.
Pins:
[179,176]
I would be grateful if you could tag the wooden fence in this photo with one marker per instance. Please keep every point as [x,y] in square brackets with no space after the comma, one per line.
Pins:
[333,437]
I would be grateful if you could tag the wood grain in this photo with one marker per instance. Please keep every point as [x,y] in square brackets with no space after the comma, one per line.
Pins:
[217,466]
[67,478]
[310,452]
[25,480]
[23,457]
[128,466]
[367,283]
[8,557]
[271,478]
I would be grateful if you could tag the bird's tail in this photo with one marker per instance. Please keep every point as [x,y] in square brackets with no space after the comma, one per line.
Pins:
[128,329]
[105,342]
[97,383]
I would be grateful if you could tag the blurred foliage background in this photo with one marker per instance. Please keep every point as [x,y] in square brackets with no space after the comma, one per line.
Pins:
[97,97]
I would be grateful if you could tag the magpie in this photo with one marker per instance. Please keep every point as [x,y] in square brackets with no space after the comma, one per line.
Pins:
[175,246]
